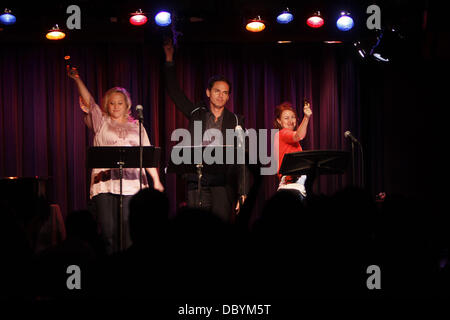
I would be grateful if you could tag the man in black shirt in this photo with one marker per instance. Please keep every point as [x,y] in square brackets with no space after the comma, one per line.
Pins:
[219,191]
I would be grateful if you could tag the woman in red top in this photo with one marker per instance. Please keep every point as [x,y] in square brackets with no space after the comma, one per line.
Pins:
[287,140]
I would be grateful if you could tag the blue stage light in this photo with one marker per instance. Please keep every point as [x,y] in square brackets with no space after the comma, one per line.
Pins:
[7,18]
[345,22]
[285,17]
[163,18]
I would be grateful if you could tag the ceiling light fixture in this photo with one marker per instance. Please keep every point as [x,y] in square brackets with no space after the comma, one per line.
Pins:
[285,16]
[7,17]
[55,33]
[138,18]
[315,21]
[255,25]
[163,18]
[345,22]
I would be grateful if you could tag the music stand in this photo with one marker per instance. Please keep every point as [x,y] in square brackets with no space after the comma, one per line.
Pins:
[198,166]
[314,163]
[122,157]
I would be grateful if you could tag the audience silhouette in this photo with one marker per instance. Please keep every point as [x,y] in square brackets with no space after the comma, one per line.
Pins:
[82,247]
[318,248]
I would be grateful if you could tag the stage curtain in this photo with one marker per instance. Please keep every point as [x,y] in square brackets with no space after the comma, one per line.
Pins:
[41,125]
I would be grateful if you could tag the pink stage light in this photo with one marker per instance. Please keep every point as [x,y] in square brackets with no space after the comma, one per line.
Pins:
[138,18]
[315,21]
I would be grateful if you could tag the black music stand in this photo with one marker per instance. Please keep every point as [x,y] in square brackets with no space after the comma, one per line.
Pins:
[200,167]
[314,163]
[122,157]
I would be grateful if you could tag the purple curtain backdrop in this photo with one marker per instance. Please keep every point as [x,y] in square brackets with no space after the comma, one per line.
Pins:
[42,132]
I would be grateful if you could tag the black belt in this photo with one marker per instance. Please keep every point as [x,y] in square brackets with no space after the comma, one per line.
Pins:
[102,176]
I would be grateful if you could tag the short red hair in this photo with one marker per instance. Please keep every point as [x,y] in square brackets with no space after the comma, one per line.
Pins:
[279,110]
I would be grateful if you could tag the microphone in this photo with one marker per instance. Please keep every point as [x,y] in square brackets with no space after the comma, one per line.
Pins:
[140,111]
[240,133]
[349,135]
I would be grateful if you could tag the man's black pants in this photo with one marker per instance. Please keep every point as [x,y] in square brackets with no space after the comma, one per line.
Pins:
[214,199]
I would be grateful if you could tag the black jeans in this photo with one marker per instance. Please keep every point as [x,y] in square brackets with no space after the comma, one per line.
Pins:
[214,199]
[106,209]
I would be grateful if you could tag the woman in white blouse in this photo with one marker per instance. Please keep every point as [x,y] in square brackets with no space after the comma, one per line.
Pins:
[113,125]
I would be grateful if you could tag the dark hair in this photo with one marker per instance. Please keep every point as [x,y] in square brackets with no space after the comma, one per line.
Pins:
[279,110]
[149,215]
[216,78]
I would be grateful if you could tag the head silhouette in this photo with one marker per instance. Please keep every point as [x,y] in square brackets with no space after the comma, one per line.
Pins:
[149,211]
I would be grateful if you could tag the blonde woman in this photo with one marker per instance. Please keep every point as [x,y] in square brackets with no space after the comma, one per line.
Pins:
[113,125]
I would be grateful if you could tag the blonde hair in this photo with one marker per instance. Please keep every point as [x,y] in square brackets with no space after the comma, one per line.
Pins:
[110,92]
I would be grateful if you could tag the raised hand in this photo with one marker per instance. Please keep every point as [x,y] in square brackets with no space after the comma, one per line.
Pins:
[73,73]
[307,109]
[168,49]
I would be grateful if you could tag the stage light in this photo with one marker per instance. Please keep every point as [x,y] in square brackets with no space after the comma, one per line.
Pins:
[55,33]
[359,48]
[380,50]
[255,25]
[163,18]
[7,17]
[345,22]
[378,57]
[333,42]
[315,21]
[285,17]
[138,18]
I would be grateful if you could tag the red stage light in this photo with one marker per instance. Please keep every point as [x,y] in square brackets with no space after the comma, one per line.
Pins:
[315,21]
[138,18]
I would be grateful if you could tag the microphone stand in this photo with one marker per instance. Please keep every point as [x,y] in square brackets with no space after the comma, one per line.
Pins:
[362,166]
[353,164]
[241,151]
[121,233]
[140,153]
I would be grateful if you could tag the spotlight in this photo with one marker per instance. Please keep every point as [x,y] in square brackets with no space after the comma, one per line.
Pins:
[255,25]
[315,21]
[345,22]
[382,45]
[360,50]
[163,18]
[378,57]
[138,18]
[285,17]
[333,42]
[7,17]
[379,50]
[55,33]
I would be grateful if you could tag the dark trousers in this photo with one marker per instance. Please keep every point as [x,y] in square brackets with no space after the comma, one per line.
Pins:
[214,199]
[106,209]
[294,192]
